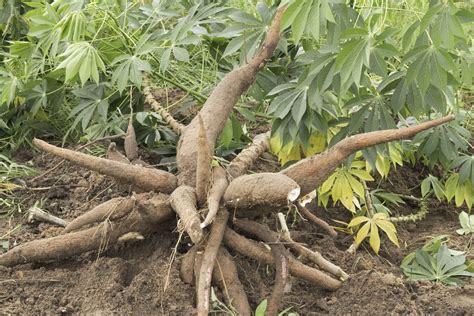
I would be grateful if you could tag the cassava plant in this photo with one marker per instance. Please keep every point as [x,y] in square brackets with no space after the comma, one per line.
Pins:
[354,92]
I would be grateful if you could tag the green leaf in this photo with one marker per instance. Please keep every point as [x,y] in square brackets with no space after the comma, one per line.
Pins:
[374,237]
[181,54]
[290,13]
[301,19]
[299,108]
[227,133]
[261,308]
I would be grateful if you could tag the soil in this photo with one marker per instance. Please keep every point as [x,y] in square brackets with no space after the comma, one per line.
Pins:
[141,277]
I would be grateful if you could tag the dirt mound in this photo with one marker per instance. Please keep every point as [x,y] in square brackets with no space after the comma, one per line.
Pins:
[131,277]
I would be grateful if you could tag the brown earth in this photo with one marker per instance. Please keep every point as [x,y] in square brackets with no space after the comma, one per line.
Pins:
[140,277]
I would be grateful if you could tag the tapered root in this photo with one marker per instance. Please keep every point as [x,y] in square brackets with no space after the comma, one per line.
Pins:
[115,155]
[279,257]
[311,172]
[219,185]
[183,201]
[218,107]
[258,252]
[316,220]
[144,178]
[247,157]
[226,277]
[209,258]
[260,192]
[112,210]
[64,246]
[130,142]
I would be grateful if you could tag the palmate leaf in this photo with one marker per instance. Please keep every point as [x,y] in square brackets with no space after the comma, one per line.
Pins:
[371,228]
[83,59]
[91,101]
[129,68]
[246,31]
[431,182]
[38,95]
[307,17]
[73,26]
[467,224]
[441,264]
[10,86]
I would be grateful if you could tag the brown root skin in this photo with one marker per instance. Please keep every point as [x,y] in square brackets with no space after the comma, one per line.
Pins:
[254,250]
[226,277]
[220,104]
[247,157]
[186,271]
[316,220]
[209,258]
[204,160]
[311,172]
[311,255]
[260,192]
[279,256]
[112,210]
[130,142]
[183,201]
[68,245]
[144,178]
[219,185]
[115,155]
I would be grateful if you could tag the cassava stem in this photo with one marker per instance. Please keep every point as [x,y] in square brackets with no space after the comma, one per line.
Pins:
[219,105]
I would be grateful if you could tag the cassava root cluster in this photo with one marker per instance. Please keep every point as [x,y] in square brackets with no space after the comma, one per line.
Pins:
[210,203]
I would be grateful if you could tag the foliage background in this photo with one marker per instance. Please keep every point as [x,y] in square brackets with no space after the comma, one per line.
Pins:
[73,70]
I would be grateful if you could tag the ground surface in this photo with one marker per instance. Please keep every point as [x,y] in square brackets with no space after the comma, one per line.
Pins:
[131,277]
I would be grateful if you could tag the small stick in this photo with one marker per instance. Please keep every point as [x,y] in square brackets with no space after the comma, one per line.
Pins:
[316,219]
[35,213]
